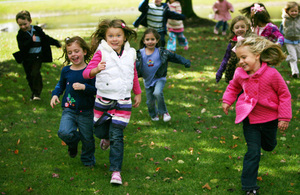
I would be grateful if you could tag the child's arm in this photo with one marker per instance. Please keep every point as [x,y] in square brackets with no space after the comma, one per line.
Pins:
[94,67]
[225,108]
[278,35]
[224,63]
[283,125]
[87,88]
[173,57]
[143,7]
[136,89]
[174,15]
[48,39]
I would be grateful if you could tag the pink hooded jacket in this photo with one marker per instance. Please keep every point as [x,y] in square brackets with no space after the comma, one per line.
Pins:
[266,96]
[223,7]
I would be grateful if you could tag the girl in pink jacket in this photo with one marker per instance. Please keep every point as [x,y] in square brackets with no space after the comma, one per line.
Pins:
[264,105]
[221,9]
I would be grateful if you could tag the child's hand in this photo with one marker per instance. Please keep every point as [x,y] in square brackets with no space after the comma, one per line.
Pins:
[225,108]
[137,100]
[54,100]
[101,66]
[283,125]
[34,38]
[78,86]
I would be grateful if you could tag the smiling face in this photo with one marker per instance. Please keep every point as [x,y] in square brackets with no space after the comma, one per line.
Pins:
[24,25]
[247,60]
[115,38]
[150,41]
[240,28]
[76,54]
[293,12]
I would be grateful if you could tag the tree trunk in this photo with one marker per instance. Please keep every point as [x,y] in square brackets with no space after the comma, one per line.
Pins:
[192,20]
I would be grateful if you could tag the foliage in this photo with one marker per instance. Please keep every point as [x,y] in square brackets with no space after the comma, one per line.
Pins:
[200,151]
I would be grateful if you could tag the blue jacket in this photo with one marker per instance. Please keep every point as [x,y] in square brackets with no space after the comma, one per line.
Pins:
[167,14]
[165,57]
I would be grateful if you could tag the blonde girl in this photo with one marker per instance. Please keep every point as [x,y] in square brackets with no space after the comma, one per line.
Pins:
[290,28]
[265,104]
[239,27]
[113,65]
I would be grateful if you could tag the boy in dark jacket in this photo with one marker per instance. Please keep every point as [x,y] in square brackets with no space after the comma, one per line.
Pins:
[155,15]
[34,47]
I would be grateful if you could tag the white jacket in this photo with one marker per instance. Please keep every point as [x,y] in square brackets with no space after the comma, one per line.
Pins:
[116,81]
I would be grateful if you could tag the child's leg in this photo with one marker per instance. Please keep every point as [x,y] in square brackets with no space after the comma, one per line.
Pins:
[159,96]
[27,65]
[162,38]
[224,28]
[116,147]
[68,128]
[37,82]
[218,25]
[151,102]
[172,42]
[86,127]
[292,58]
[182,40]
[268,135]
[251,160]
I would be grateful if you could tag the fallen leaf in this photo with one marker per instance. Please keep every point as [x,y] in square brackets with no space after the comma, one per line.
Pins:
[214,180]
[206,186]
[125,184]
[235,137]
[180,161]
[166,179]
[177,170]
[147,177]
[180,178]
[18,141]
[157,169]
[168,159]
[29,189]
[259,178]
[16,151]
[55,175]
[63,143]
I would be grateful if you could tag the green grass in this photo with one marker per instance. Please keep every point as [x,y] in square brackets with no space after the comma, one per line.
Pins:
[199,140]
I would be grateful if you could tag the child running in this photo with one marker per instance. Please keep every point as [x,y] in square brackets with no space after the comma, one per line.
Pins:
[290,28]
[265,104]
[77,102]
[239,28]
[262,24]
[152,64]
[113,65]
[176,28]
[35,49]
[221,9]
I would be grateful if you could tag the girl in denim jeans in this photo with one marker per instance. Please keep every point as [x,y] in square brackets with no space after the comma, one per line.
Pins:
[264,105]
[152,64]
[77,101]
[113,65]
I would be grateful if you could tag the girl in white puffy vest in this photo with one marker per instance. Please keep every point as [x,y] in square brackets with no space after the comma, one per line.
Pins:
[113,65]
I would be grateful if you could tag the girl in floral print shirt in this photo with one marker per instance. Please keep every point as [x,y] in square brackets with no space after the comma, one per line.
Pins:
[261,23]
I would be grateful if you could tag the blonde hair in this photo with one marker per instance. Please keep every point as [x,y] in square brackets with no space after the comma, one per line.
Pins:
[289,5]
[270,52]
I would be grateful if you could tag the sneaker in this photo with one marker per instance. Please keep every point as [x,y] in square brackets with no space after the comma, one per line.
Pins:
[166,117]
[224,33]
[116,178]
[36,98]
[155,118]
[251,192]
[104,144]
[216,31]
[186,47]
[295,76]
[72,151]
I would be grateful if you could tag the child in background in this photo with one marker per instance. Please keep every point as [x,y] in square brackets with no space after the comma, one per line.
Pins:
[240,27]
[113,65]
[77,102]
[175,28]
[290,28]
[264,105]
[35,49]
[221,9]
[155,15]
[152,64]
[262,24]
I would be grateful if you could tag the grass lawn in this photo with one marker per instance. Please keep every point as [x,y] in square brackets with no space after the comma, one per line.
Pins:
[200,151]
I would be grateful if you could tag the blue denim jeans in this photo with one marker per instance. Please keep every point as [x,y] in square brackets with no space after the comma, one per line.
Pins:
[108,130]
[257,136]
[222,23]
[83,121]
[155,99]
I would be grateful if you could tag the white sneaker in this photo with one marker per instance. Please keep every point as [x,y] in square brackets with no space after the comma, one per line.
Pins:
[216,31]
[155,118]
[166,117]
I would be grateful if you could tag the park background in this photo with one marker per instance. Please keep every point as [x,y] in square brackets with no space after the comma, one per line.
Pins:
[200,151]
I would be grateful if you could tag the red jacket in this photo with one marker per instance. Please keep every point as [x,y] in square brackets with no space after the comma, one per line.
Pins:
[265,96]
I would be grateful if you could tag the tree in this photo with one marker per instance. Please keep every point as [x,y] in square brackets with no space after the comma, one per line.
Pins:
[192,20]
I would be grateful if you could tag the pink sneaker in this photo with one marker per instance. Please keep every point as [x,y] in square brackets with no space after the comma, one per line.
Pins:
[104,144]
[216,31]
[116,178]
[186,47]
